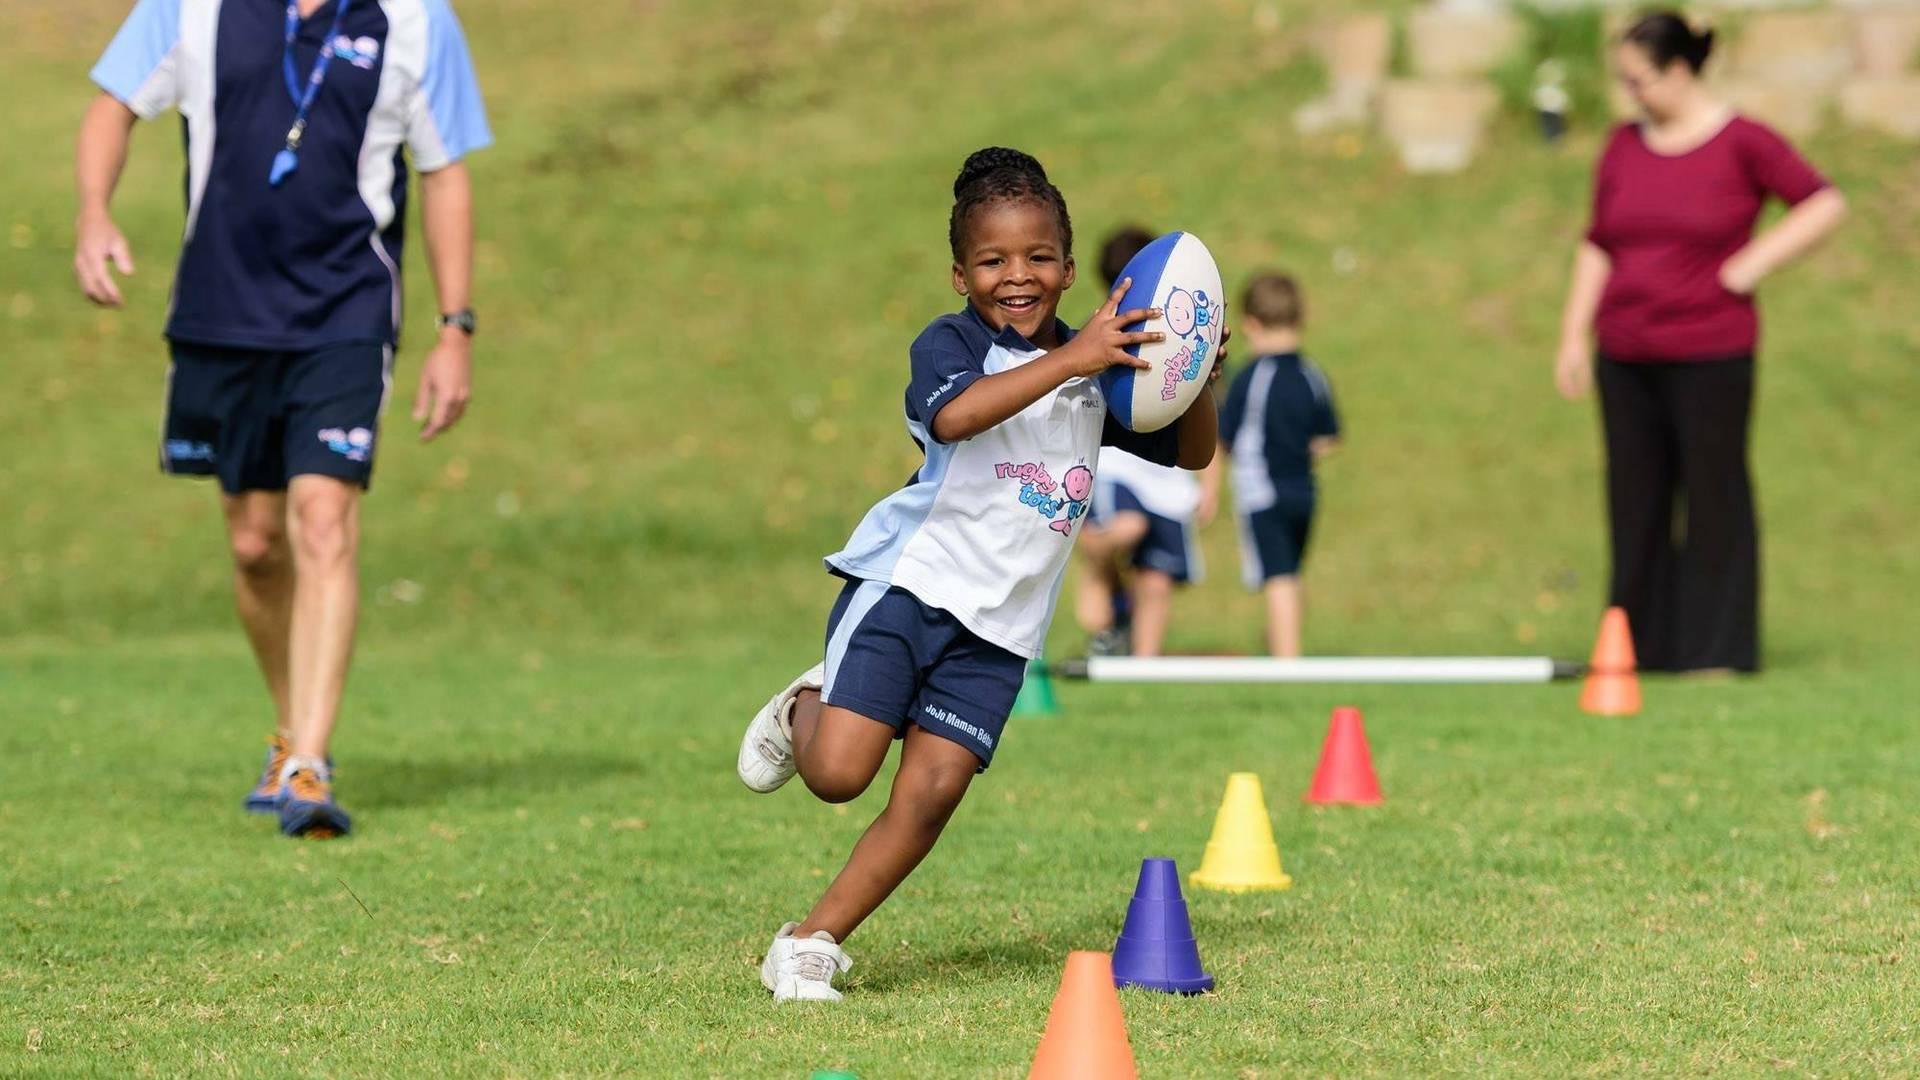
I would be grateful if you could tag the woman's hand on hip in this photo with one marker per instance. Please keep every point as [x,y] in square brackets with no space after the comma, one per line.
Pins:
[1573,369]
[1737,277]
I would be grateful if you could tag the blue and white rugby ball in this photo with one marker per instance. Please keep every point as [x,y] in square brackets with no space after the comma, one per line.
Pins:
[1177,275]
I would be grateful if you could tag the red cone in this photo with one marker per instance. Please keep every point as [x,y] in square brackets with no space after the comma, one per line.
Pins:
[1345,774]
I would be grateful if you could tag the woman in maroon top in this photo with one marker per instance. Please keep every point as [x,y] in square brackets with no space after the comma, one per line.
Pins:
[1664,281]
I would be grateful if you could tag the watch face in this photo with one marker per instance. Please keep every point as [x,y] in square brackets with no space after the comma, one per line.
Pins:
[461,319]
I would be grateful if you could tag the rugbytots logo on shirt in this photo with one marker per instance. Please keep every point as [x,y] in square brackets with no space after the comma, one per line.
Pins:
[1037,488]
[355,445]
[1189,314]
[361,52]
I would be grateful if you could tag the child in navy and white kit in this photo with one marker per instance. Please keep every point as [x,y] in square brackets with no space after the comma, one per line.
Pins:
[951,580]
[1277,421]
[1145,519]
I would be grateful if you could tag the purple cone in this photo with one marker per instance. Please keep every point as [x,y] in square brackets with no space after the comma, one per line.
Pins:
[1156,949]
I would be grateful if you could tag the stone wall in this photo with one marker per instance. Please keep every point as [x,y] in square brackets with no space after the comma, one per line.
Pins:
[1798,68]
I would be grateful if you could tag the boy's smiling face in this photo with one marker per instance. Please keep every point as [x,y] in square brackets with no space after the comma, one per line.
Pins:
[1014,268]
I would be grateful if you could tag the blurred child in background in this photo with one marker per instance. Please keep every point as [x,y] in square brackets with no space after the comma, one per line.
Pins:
[1277,421]
[1143,521]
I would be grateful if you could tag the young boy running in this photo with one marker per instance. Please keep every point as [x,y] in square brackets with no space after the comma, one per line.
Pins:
[951,580]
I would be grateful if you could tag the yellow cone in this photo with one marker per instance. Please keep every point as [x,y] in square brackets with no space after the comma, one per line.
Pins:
[1242,856]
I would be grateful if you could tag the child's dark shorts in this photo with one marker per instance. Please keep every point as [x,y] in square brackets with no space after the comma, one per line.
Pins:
[893,659]
[1273,541]
[1169,546]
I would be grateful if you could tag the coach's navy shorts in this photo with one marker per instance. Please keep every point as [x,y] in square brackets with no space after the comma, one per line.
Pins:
[893,659]
[1273,542]
[257,419]
[1169,545]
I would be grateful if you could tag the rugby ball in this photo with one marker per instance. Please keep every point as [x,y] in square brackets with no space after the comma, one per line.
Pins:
[1175,274]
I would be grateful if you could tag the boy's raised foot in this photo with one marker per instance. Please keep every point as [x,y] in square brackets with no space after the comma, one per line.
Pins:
[766,750]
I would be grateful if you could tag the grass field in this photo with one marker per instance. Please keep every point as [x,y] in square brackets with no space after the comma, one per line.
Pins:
[707,234]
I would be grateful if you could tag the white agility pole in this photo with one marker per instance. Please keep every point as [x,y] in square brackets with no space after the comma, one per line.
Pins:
[1319,669]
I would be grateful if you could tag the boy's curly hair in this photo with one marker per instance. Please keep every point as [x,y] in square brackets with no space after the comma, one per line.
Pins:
[998,174]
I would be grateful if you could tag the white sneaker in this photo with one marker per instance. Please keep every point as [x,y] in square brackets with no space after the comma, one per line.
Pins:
[802,969]
[766,750]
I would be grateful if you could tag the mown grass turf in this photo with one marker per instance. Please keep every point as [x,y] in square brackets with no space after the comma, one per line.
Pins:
[707,235]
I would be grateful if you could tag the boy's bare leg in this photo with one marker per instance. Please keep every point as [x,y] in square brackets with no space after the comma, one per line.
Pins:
[933,776]
[1152,610]
[837,751]
[1283,616]
[1093,600]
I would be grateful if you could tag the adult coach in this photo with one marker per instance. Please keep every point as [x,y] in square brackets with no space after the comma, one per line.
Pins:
[1665,282]
[286,306]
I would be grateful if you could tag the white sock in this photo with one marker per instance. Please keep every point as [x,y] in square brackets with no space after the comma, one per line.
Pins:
[314,765]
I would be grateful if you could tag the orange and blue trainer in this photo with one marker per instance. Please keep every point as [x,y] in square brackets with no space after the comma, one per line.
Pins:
[306,801]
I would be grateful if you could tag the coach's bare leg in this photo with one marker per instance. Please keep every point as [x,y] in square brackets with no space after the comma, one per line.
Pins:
[323,523]
[933,776]
[1283,616]
[1152,610]
[263,587]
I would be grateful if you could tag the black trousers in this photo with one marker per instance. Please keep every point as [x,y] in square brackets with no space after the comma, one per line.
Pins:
[1686,546]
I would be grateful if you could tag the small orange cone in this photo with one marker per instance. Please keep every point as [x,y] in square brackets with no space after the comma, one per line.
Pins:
[1612,688]
[1086,1036]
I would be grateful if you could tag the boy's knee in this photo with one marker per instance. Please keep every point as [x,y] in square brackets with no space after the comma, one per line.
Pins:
[932,792]
[836,785]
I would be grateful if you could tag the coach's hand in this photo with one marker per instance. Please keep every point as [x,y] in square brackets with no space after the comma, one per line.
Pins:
[97,243]
[446,384]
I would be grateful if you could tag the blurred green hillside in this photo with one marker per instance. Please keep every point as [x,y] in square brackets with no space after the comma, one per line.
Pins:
[708,232]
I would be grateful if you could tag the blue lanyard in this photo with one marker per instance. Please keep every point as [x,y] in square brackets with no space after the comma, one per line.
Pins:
[288,159]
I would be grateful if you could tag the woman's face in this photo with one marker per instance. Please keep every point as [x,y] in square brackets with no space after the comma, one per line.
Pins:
[1657,91]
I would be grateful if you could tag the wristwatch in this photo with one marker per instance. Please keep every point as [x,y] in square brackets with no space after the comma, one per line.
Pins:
[463,319]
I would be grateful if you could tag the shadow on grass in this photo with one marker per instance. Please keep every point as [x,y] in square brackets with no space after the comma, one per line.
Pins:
[395,782]
[1038,957]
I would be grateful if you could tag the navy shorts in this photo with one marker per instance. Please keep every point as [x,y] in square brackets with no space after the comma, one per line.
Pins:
[257,419]
[893,659]
[1169,546]
[1273,542]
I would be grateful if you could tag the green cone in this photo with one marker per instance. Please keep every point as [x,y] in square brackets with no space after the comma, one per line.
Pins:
[1036,692]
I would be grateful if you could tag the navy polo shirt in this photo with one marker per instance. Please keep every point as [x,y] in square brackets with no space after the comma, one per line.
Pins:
[315,261]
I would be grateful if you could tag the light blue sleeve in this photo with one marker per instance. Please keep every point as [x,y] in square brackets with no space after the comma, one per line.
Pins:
[139,67]
[453,105]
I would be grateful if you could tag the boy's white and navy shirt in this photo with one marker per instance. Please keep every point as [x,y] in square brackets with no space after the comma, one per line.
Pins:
[1274,410]
[316,260]
[985,528]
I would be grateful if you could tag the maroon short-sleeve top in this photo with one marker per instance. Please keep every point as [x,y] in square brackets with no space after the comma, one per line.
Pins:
[1668,221]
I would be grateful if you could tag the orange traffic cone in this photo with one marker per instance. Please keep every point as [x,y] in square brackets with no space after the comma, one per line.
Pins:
[1612,688]
[1086,1036]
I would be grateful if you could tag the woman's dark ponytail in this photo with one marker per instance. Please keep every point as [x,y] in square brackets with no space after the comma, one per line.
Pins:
[1667,37]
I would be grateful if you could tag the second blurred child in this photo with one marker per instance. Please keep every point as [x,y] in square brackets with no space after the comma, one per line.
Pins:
[1277,421]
